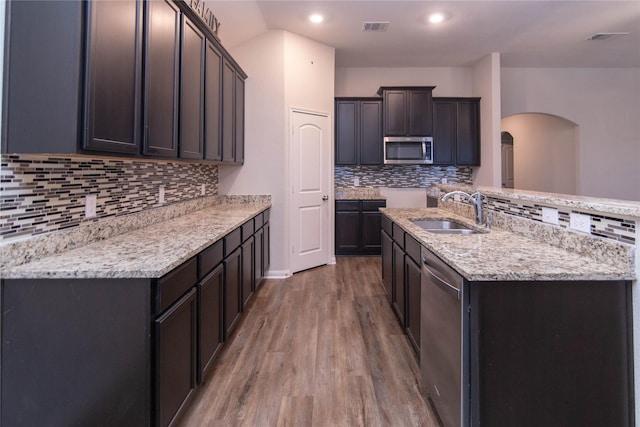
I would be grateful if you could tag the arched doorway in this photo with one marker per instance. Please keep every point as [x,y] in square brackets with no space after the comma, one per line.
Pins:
[507,160]
[544,152]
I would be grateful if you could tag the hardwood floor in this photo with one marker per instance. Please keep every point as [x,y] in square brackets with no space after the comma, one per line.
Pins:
[321,348]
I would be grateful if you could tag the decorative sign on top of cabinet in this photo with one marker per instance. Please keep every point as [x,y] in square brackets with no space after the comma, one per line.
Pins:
[358,131]
[407,110]
[117,80]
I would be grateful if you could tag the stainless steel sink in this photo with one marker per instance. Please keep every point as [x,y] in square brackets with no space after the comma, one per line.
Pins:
[443,226]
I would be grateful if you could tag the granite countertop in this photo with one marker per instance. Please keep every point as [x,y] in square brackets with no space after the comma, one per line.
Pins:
[497,255]
[628,208]
[358,193]
[148,252]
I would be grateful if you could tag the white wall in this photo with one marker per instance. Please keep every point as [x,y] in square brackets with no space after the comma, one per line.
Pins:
[366,81]
[486,85]
[281,75]
[263,172]
[604,103]
[544,152]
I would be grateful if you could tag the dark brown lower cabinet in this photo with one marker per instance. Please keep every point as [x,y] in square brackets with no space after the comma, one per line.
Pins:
[232,287]
[175,359]
[210,330]
[248,270]
[119,352]
[357,227]
[413,276]
[398,295]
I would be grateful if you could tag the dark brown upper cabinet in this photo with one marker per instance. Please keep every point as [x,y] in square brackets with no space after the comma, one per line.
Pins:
[192,92]
[456,131]
[162,79]
[407,110]
[212,102]
[128,78]
[358,131]
[113,76]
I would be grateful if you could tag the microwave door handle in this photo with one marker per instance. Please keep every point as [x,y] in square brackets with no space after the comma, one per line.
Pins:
[424,150]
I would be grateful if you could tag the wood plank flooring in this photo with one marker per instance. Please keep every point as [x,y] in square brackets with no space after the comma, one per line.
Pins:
[321,348]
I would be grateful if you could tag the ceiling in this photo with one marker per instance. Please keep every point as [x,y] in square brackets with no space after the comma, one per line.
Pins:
[541,33]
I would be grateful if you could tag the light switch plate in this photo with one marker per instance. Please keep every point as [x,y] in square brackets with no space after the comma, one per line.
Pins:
[90,202]
[550,215]
[203,190]
[580,222]
[161,195]
[356,182]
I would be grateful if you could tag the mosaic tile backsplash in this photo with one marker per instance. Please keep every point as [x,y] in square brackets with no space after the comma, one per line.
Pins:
[401,176]
[42,194]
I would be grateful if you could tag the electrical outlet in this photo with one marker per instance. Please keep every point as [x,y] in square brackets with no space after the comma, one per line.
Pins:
[444,180]
[161,194]
[90,202]
[580,222]
[550,215]
[203,190]
[356,182]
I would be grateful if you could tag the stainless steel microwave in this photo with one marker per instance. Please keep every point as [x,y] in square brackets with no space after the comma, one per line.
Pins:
[408,150]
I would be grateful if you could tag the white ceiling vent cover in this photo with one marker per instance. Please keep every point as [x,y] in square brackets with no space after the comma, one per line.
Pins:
[375,26]
[605,36]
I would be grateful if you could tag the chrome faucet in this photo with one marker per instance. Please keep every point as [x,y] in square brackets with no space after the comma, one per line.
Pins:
[475,199]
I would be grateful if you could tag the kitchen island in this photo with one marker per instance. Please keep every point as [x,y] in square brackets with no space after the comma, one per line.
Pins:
[122,331]
[545,330]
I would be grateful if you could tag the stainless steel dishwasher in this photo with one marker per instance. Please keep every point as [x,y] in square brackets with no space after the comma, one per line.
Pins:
[441,340]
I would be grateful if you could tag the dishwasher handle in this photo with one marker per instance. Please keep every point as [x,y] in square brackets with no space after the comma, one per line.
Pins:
[440,282]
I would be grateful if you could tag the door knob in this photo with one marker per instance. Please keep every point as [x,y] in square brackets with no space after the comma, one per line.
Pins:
[325,197]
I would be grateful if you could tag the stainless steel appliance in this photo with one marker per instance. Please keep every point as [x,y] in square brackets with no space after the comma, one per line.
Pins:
[408,150]
[441,340]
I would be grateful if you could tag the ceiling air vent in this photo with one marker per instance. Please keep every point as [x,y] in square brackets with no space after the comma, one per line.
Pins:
[605,36]
[375,26]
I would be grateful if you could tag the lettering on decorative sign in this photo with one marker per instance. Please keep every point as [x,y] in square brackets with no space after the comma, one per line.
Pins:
[206,15]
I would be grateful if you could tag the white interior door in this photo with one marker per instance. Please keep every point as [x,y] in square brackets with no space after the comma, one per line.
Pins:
[310,152]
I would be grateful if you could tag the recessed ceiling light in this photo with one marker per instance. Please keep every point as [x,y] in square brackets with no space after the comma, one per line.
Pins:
[436,18]
[316,18]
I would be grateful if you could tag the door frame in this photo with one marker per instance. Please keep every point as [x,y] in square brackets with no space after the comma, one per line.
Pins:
[331,259]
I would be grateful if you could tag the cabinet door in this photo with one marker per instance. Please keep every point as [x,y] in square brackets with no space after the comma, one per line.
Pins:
[420,113]
[413,279]
[113,77]
[210,333]
[347,232]
[371,226]
[232,284]
[248,272]
[346,133]
[468,137]
[191,91]
[161,79]
[395,113]
[370,133]
[257,257]
[175,358]
[212,101]
[444,131]
[228,112]
[387,262]
[398,294]
[239,120]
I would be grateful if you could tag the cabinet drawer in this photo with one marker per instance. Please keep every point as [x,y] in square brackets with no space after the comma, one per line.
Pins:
[398,235]
[209,258]
[347,205]
[258,220]
[173,285]
[387,225]
[232,241]
[373,205]
[412,248]
[247,229]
